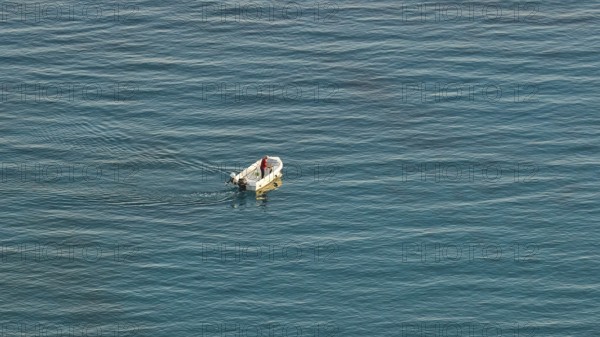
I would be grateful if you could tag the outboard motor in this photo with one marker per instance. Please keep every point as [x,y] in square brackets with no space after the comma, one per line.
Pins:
[242,184]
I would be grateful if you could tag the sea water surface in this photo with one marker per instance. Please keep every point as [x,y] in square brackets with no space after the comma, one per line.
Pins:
[441,168]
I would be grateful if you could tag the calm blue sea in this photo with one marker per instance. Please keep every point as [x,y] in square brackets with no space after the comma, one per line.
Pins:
[441,168]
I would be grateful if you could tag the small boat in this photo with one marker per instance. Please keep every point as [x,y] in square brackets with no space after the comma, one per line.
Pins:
[250,178]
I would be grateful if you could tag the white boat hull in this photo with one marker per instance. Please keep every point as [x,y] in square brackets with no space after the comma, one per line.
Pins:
[252,174]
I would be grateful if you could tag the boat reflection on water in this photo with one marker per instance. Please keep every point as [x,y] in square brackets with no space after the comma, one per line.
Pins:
[260,195]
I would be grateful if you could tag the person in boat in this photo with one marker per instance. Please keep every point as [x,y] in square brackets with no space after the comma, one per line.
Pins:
[263,166]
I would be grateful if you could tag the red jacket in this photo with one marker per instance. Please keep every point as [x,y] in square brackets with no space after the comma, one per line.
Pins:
[263,163]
